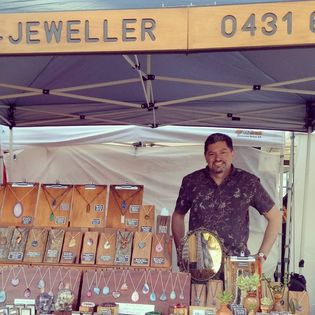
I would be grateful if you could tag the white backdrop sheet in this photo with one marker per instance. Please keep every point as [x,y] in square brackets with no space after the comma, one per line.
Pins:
[159,169]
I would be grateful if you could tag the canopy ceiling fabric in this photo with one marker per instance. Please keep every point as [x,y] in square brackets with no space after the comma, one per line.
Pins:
[255,89]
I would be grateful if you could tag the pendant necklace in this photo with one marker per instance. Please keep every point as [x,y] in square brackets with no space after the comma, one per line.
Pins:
[152,294]
[56,240]
[213,293]
[72,241]
[89,284]
[123,204]
[159,247]
[15,280]
[173,285]
[116,294]
[63,281]
[107,243]
[142,244]
[124,286]
[3,294]
[106,289]
[4,236]
[163,296]
[52,283]
[124,239]
[19,237]
[75,281]
[88,203]
[27,292]
[54,204]
[41,283]
[198,293]
[135,295]
[182,287]
[147,213]
[37,233]
[18,208]
[146,288]
[96,288]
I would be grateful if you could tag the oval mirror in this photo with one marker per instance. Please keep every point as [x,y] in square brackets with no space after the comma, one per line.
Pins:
[201,255]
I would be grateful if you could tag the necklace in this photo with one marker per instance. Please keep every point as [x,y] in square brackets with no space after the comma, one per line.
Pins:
[52,283]
[116,293]
[123,203]
[18,236]
[135,295]
[54,204]
[72,241]
[15,280]
[97,289]
[37,233]
[75,281]
[55,236]
[147,212]
[107,243]
[198,293]
[217,284]
[88,203]
[27,291]
[41,283]
[159,247]
[163,296]
[173,285]
[124,239]
[106,289]
[152,294]
[142,243]
[124,286]
[89,284]
[182,287]
[18,208]
[3,294]
[145,288]
[4,236]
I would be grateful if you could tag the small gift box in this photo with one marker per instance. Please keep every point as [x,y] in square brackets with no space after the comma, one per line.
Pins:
[178,309]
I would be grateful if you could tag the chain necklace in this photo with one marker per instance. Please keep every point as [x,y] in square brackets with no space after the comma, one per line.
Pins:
[88,203]
[18,238]
[135,295]
[163,296]
[89,284]
[27,291]
[124,240]
[153,294]
[106,289]
[198,293]
[41,283]
[147,212]
[55,204]
[123,203]
[173,285]
[107,243]
[116,294]
[15,280]
[36,236]
[72,241]
[214,293]
[159,247]
[182,287]
[142,244]
[3,294]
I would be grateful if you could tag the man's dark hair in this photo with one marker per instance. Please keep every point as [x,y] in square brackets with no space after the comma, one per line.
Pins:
[216,137]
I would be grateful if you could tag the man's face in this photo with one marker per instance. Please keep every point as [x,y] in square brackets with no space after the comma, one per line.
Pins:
[219,157]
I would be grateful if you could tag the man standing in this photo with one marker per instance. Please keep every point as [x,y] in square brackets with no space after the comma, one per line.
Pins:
[219,197]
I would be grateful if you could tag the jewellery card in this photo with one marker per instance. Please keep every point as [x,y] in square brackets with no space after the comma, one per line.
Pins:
[124,206]
[89,247]
[161,252]
[106,247]
[54,205]
[123,247]
[18,243]
[146,218]
[202,310]
[88,208]
[35,246]
[54,245]
[71,247]
[214,289]
[5,240]
[19,203]
[141,249]
[198,294]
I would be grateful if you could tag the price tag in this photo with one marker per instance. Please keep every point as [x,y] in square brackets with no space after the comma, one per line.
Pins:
[141,261]
[88,256]
[96,221]
[99,208]
[60,220]
[27,220]
[67,256]
[15,256]
[134,208]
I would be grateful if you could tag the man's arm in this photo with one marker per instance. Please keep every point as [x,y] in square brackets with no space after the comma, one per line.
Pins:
[273,217]
[178,228]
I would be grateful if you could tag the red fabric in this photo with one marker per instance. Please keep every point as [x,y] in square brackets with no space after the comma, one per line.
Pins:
[4,175]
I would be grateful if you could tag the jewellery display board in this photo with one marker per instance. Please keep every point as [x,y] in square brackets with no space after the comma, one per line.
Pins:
[54,245]
[106,247]
[54,205]
[17,244]
[214,289]
[146,218]
[5,241]
[27,282]
[198,294]
[123,247]
[88,209]
[88,253]
[159,287]
[124,206]
[161,252]
[35,246]
[141,252]
[19,201]
[71,247]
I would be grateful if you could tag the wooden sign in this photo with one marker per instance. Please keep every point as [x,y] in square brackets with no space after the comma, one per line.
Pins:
[161,252]
[88,208]
[146,218]
[54,205]
[123,247]
[89,247]
[141,253]
[35,246]
[5,241]
[18,243]
[54,245]
[19,204]
[106,247]
[124,206]
[71,247]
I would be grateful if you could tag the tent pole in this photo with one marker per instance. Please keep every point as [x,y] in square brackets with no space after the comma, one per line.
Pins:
[10,154]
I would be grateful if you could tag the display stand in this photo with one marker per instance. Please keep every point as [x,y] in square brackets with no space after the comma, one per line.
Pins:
[35,246]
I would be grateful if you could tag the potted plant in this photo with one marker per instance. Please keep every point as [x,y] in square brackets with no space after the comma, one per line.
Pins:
[225,298]
[265,304]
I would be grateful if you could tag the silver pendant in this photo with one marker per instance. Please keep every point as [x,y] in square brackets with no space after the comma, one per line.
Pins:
[97,290]
[141,244]
[106,290]
[163,297]
[41,284]
[145,289]
[116,294]
[15,282]
[135,296]
[173,295]
[17,209]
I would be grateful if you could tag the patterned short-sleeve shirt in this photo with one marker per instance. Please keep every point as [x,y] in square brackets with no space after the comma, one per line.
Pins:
[223,209]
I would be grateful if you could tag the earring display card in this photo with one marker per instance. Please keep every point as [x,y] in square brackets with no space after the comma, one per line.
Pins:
[35,246]
[198,294]
[18,243]
[123,247]
[5,241]
[141,249]
[19,204]
[88,208]
[106,247]
[214,289]
[89,247]
[161,252]
[54,205]
[124,206]
[146,218]
[71,247]
[54,245]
